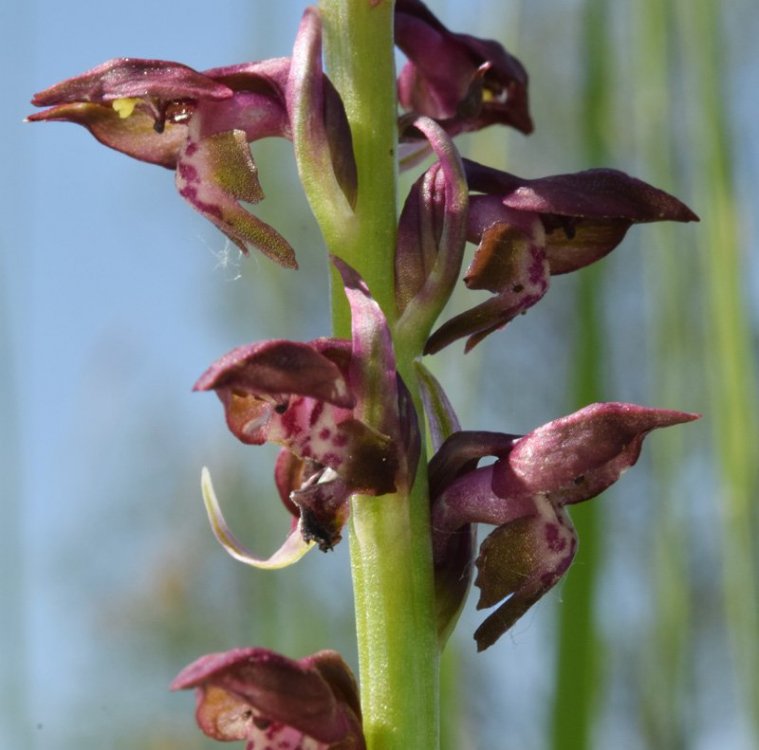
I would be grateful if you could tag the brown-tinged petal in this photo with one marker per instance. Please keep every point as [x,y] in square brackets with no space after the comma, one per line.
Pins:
[522,560]
[134,135]
[511,263]
[213,175]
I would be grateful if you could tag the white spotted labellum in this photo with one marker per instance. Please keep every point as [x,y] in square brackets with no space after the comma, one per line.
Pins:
[308,398]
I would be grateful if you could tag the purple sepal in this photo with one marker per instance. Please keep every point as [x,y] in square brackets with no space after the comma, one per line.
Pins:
[321,134]
[431,236]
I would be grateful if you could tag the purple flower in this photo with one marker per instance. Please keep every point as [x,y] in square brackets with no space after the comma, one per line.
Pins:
[308,398]
[297,395]
[200,125]
[524,494]
[529,230]
[464,82]
[271,701]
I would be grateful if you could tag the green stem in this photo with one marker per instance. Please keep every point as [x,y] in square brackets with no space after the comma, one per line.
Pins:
[390,538]
[358,47]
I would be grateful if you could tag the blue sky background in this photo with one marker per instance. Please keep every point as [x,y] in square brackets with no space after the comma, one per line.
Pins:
[115,296]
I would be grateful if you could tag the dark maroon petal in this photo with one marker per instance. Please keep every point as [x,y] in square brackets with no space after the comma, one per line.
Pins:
[257,694]
[460,454]
[437,79]
[595,193]
[464,82]
[338,674]
[505,82]
[279,367]
[453,577]
[441,417]
[127,78]
[290,474]
[410,438]
[418,234]
[427,266]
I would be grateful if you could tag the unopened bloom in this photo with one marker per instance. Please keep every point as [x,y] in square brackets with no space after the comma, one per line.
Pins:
[200,125]
[271,701]
[463,82]
[529,230]
[524,494]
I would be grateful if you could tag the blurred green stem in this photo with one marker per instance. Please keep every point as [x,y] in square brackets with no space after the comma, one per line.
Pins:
[391,555]
[665,670]
[728,349]
[578,676]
